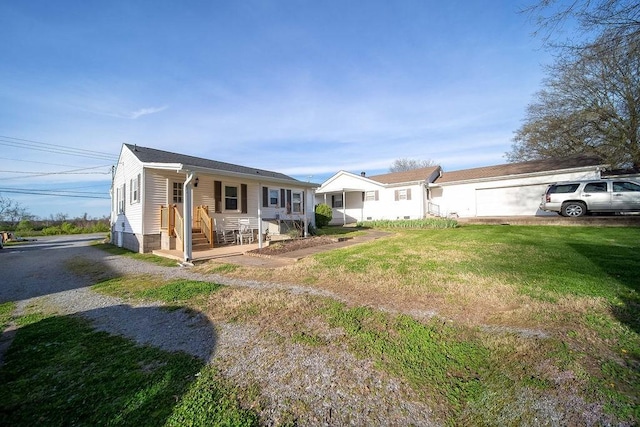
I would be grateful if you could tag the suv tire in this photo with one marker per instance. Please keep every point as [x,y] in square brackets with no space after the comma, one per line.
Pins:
[574,209]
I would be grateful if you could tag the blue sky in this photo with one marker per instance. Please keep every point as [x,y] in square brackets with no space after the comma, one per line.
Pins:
[306,88]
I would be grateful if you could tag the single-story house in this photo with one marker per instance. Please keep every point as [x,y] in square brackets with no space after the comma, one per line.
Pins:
[399,195]
[160,199]
[512,189]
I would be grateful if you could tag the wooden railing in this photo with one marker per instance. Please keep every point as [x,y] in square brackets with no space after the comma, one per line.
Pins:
[433,209]
[171,221]
[168,219]
[205,223]
[179,227]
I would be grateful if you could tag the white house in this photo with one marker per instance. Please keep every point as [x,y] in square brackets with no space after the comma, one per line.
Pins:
[400,195]
[511,189]
[159,199]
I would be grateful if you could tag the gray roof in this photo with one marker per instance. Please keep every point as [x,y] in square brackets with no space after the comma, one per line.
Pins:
[151,155]
[533,166]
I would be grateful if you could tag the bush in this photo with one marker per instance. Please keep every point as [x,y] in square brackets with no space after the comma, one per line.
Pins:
[411,223]
[324,214]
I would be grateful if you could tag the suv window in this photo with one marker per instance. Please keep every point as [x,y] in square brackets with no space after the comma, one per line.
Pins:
[625,186]
[563,188]
[595,187]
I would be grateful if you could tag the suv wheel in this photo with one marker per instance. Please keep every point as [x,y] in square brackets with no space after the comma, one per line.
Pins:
[574,209]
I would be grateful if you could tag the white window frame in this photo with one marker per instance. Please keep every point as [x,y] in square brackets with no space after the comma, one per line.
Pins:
[275,191]
[121,198]
[402,194]
[177,195]
[294,203]
[134,190]
[338,203]
[236,198]
[370,196]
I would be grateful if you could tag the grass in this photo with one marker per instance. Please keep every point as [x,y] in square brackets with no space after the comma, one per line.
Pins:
[411,223]
[59,371]
[6,309]
[579,287]
[488,324]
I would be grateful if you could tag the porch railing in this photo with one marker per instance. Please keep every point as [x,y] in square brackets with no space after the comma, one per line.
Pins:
[206,223]
[168,219]
[433,209]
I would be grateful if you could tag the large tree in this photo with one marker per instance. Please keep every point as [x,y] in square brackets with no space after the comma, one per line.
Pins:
[590,102]
[402,165]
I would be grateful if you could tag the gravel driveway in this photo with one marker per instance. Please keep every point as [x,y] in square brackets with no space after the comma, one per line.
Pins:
[335,387]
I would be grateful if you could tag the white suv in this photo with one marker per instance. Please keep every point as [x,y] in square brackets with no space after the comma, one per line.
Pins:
[577,198]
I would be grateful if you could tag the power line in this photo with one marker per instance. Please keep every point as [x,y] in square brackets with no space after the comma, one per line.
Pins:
[54,148]
[60,193]
[80,171]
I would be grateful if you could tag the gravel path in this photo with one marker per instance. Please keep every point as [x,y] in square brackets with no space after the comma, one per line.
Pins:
[335,388]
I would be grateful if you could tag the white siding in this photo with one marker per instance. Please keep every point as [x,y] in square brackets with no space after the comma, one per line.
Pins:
[499,197]
[127,169]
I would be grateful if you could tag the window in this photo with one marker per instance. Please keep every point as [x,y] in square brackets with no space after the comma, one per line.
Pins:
[336,201]
[404,194]
[121,197]
[595,187]
[230,198]
[273,197]
[296,203]
[625,186]
[370,196]
[177,192]
[563,188]
[134,189]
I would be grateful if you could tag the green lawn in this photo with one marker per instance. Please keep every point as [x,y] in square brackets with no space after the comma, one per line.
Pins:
[526,323]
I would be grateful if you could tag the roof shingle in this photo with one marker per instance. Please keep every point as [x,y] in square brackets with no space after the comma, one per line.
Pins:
[520,168]
[407,176]
[151,155]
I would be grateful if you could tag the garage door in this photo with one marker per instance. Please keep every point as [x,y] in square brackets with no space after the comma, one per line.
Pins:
[509,201]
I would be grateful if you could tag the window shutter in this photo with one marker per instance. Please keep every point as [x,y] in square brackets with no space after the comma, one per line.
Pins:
[217,195]
[363,196]
[139,185]
[288,201]
[302,203]
[265,197]
[395,194]
[130,191]
[377,196]
[408,194]
[283,202]
[243,198]
[333,201]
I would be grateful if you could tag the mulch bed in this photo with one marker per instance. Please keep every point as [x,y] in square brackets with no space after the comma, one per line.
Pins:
[284,246]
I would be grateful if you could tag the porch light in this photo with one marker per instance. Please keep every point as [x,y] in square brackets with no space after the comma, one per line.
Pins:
[195,183]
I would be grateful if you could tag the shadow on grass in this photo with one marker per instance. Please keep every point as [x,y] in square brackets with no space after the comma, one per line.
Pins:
[59,371]
[621,264]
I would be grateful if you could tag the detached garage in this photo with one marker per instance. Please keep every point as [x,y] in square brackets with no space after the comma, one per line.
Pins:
[512,189]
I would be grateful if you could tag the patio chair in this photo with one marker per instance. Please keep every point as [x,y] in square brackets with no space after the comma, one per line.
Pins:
[245,232]
[224,234]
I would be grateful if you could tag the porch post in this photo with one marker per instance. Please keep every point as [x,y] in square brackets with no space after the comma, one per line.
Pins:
[187,208]
[344,208]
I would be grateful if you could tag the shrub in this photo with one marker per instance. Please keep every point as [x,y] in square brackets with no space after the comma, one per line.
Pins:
[324,214]
[411,223]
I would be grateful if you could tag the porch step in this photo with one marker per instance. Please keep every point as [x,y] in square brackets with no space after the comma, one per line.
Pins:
[199,241]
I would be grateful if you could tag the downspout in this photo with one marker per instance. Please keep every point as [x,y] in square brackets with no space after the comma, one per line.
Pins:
[259,215]
[187,209]
[344,208]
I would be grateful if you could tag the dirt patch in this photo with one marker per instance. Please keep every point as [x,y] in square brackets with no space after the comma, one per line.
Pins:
[284,246]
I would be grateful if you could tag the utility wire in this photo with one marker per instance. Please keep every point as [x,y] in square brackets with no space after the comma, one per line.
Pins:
[54,148]
[60,194]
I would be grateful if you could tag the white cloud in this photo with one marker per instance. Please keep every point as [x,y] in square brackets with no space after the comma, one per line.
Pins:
[146,111]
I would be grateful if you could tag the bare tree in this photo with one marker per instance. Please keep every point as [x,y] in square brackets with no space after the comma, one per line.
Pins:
[402,165]
[589,105]
[590,102]
[12,212]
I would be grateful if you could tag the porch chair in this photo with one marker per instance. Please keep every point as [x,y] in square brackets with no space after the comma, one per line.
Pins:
[223,234]
[245,232]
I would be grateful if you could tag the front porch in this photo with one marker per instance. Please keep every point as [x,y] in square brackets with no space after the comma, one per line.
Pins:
[207,254]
